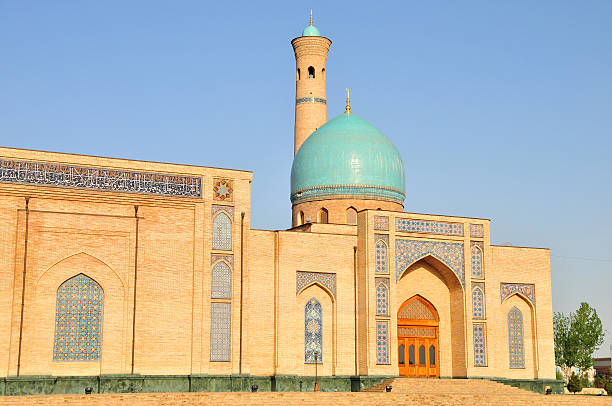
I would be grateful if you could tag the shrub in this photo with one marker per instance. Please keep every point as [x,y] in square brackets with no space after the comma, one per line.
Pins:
[559,376]
[608,386]
[574,385]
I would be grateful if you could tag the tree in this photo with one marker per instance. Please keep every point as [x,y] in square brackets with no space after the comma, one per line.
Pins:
[574,385]
[608,386]
[577,336]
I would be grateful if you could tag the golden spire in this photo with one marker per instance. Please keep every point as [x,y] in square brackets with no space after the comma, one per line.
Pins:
[348,101]
[310,16]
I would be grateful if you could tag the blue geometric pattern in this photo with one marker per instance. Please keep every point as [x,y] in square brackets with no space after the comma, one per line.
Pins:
[515,338]
[477,304]
[409,251]
[220,331]
[381,257]
[313,332]
[382,343]
[430,227]
[222,232]
[382,297]
[480,357]
[78,320]
[476,261]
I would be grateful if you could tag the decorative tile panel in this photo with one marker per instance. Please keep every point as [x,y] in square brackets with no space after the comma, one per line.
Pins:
[408,252]
[305,279]
[222,232]
[381,223]
[477,260]
[478,304]
[515,338]
[382,343]
[416,331]
[313,332]
[223,189]
[220,331]
[476,230]
[525,289]
[227,209]
[384,237]
[480,349]
[382,296]
[221,281]
[227,258]
[382,265]
[428,226]
[319,100]
[99,179]
[78,320]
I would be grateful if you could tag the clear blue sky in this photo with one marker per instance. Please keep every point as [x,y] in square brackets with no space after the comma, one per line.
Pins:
[500,110]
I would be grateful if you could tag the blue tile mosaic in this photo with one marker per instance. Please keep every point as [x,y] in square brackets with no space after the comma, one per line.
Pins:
[515,339]
[408,252]
[103,179]
[78,320]
[382,265]
[382,343]
[478,304]
[428,226]
[480,350]
[381,223]
[305,279]
[477,261]
[382,296]
[313,332]
[527,290]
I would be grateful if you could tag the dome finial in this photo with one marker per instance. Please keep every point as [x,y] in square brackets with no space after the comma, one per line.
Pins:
[311,17]
[348,101]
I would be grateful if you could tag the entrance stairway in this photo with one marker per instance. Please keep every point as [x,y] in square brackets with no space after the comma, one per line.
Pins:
[438,392]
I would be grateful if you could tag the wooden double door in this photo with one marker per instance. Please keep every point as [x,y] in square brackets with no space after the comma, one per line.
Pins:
[417,339]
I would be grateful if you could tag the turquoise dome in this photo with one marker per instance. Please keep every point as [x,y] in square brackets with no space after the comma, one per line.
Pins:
[311,31]
[348,157]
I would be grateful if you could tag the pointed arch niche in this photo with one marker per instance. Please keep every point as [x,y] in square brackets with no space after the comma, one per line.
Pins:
[315,308]
[521,358]
[437,284]
[40,316]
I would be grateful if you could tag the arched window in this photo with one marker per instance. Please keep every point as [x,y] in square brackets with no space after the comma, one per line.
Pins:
[221,281]
[476,262]
[401,354]
[351,216]
[422,355]
[515,338]
[301,218]
[432,355]
[78,320]
[313,332]
[477,304]
[222,232]
[323,216]
[323,73]
[311,72]
[411,355]
[381,257]
[298,74]
[382,300]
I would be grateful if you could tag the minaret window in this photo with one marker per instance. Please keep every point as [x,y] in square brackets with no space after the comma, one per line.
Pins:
[301,218]
[311,72]
[323,216]
[298,74]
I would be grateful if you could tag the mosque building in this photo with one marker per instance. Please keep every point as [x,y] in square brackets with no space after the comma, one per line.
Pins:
[129,275]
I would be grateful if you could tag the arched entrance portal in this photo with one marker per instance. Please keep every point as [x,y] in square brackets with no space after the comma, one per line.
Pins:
[417,338]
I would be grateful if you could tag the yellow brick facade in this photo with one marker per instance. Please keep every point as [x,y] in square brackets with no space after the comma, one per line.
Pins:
[156,261]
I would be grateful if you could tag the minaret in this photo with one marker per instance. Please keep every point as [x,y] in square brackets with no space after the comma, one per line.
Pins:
[310,96]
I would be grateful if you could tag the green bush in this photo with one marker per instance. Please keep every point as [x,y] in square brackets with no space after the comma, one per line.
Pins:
[559,376]
[608,386]
[574,385]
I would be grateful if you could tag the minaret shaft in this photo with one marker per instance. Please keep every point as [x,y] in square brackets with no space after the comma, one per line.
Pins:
[310,94]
